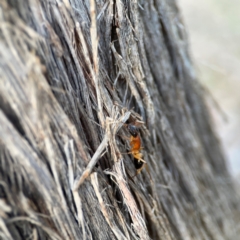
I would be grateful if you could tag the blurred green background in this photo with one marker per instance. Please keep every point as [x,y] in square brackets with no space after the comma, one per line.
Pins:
[213,28]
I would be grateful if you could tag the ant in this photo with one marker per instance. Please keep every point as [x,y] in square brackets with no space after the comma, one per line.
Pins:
[135,143]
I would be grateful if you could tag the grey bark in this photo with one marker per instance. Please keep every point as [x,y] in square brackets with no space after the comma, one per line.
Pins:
[72,75]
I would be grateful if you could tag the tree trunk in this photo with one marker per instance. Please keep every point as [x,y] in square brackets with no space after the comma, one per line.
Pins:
[74,76]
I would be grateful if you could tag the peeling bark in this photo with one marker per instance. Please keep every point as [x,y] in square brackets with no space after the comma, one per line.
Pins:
[73,74]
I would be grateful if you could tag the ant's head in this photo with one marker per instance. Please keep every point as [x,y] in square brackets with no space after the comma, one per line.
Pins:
[133,130]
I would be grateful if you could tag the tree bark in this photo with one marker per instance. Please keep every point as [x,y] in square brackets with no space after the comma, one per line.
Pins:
[74,74]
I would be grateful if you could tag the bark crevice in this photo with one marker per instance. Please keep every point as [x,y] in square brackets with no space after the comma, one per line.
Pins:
[73,74]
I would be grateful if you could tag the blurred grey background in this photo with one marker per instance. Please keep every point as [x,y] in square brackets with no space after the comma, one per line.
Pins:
[213,28]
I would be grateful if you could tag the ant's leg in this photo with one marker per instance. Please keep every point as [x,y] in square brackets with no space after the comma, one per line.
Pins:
[126,153]
[139,170]
[140,159]
[124,137]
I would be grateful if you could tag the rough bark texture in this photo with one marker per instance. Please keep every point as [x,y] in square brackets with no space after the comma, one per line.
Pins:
[72,73]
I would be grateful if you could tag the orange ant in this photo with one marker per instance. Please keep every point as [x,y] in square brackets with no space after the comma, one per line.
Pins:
[135,143]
